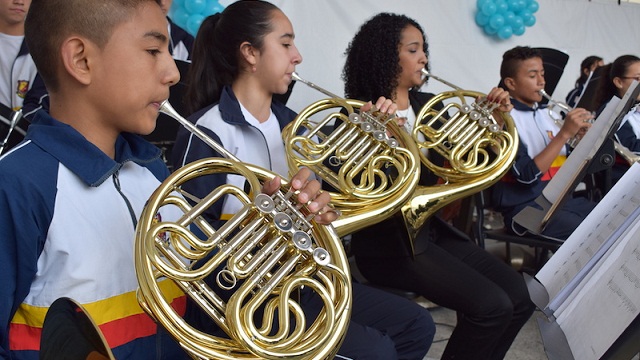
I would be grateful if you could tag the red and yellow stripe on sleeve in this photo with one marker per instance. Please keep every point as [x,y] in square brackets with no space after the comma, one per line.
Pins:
[120,318]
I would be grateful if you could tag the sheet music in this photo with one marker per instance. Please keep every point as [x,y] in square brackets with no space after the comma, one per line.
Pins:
[586,149]
[593,280]
[608,303]
[612,114]
[619,203]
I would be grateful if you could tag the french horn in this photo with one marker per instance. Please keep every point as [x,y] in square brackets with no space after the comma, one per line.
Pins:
[477,147]
[371,163]
[265,256]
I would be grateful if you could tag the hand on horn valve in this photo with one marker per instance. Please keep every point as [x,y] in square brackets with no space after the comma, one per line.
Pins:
[386,107]
[501,97]
[311,194]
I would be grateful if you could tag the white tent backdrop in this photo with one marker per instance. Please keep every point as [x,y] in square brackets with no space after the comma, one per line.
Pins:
[459,50]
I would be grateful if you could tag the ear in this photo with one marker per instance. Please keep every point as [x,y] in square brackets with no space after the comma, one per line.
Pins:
[617,82]
[75,59]
[510,83]
[249,53]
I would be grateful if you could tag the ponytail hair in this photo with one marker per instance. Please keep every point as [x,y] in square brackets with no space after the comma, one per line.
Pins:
[606,88]
[216,59]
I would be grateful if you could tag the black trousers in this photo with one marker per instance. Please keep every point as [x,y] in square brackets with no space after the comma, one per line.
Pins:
[384,326]
[490,297]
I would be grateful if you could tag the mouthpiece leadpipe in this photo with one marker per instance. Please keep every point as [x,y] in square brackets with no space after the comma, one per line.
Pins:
[427,74]
[296,77]
[167,109]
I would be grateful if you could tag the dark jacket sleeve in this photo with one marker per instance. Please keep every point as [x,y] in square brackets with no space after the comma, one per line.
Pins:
[23,227]
[627,137]
[37,98]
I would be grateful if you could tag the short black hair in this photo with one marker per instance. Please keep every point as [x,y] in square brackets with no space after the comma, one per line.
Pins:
[512,58]
[49,22]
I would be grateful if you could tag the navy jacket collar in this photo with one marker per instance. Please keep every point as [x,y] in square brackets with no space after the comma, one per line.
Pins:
[524,107]
[83,158]
[232,114]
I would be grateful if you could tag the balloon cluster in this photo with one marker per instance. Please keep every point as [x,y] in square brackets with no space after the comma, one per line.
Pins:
[189,14]
[504,18]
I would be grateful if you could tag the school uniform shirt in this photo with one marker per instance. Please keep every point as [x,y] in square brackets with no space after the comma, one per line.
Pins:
[68,214]
[181,42]
[238,132]
[525,182]
[572,96]
[628,133]
[17,70]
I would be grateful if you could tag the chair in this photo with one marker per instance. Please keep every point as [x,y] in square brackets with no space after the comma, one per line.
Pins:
[554,62]
[542,245]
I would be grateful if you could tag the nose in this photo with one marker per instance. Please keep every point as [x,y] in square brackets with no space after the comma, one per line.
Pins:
[297,57]
[424,59]
[172,75]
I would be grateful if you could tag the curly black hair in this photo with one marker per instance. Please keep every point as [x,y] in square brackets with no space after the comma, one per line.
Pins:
[374,50]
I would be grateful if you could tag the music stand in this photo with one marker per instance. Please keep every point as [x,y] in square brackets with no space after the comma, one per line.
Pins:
[554,62]
[572,171]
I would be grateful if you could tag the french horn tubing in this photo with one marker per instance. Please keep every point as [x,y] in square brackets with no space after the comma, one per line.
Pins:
[371,163]
[478,149]
[259,262]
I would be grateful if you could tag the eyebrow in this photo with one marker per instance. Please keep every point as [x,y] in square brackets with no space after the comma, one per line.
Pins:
[156,35]
[288,35]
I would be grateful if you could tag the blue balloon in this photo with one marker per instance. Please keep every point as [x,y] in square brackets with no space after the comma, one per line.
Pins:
[526,16]
[180,16]
[213,7]
[518,30]
[177,3]
[530,21]
[489,30]
[505,32]
[508,17]
[516,21]
[488,8]
[496,21]
[193,23]
[195,6]
[501,6]
[481,19]
[514,5]
[479,3]
[533,6]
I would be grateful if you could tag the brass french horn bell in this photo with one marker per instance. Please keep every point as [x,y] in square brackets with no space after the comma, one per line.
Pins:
[264,256]
[477,148]
[371,163]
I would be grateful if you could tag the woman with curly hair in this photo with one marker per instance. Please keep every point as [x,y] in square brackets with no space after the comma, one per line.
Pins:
[386,57]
